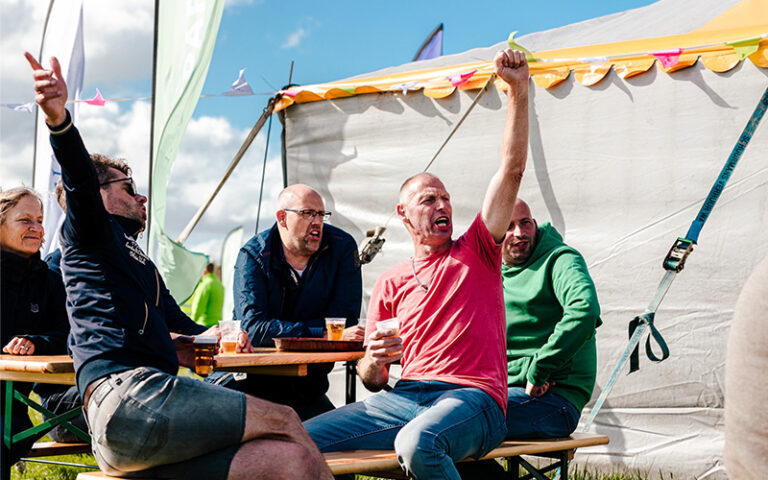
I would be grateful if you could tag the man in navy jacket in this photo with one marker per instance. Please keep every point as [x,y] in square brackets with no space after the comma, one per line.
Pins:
[141,416]
[287,280]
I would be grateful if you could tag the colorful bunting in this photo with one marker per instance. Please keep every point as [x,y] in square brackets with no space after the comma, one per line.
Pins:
[97,101]
[668,58]
[20,107]
[461,78]
[745,48]
[240,87]
[515,46]
[406,86]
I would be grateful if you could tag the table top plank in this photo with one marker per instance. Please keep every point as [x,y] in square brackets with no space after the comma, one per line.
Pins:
[262,357]
[36,363]
[270,356]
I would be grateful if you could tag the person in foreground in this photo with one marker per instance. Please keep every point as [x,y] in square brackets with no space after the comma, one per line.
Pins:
[143,419]
[450,401]
[552,313]
[287,280]
[746,358]
[33,318]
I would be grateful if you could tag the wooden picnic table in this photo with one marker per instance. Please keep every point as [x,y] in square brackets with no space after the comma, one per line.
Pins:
[59,369]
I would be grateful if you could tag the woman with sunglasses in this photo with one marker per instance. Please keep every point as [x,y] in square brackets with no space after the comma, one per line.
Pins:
[32,298]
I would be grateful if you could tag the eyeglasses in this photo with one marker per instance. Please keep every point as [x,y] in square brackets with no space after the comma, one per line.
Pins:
[131,186]
[306,214]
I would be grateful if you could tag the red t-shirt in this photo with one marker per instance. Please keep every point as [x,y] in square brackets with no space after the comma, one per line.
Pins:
[455,331]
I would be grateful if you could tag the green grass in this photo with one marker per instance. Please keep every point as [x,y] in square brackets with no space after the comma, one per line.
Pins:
[577,472]
[41,471]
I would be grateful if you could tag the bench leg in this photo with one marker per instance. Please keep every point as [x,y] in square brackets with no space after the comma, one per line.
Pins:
[564,465]
[351,381]
[513,468]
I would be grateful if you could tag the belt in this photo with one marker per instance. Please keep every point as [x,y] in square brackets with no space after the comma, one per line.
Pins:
[92,388]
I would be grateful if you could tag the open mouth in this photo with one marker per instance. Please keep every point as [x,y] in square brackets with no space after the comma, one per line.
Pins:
[314,234]
[520,245]
[443,222]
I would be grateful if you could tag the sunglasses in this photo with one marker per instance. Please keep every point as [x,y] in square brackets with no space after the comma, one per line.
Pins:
[307,214]
[130,184]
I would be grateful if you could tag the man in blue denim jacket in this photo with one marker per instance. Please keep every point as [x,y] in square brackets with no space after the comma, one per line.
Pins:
[287,280]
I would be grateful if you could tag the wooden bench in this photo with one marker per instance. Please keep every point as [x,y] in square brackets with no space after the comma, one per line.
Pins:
[383,463]
[47,449]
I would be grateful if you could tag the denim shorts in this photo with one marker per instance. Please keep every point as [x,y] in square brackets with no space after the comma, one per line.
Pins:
[147,423]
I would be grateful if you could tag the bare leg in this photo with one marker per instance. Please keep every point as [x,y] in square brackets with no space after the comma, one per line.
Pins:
[276,445]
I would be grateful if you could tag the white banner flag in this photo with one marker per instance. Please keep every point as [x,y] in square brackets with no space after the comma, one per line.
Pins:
[63,39]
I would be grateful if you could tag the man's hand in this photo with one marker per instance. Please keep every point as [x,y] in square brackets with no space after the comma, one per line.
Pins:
[512,67]
[538,390]
[356,333]
[185,350]
[384,348]
[50,90]
[19,346]
[244,342]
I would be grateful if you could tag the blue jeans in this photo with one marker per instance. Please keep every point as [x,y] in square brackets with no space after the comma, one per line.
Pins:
[548,416]
[429,424]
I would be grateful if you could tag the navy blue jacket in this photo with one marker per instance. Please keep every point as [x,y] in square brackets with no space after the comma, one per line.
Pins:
[120,311]
[32,302]
[271,304]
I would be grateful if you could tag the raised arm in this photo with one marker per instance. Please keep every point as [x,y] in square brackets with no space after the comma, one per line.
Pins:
[499,202]
[50,90]
[86,215]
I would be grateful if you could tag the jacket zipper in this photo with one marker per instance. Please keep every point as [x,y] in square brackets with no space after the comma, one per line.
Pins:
[146,316]
[157,287]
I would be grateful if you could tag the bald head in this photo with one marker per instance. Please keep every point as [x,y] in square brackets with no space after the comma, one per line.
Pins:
[300,223]
[294,195]
[412,184]
[520,240]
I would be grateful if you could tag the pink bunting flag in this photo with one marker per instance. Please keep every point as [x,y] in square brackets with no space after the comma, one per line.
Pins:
[97,101]
[461,78]
[668,58]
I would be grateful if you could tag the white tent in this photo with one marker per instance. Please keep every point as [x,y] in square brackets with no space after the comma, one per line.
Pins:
[620,160]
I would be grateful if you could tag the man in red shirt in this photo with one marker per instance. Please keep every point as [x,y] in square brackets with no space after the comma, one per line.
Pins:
[450,401]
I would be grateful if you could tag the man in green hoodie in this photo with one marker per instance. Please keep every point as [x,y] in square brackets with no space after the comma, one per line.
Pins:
[552,313]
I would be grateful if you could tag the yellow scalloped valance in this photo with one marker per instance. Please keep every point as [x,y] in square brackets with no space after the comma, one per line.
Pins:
[719,44]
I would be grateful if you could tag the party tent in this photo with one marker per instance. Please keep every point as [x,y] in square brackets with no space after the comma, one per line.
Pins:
[628,133]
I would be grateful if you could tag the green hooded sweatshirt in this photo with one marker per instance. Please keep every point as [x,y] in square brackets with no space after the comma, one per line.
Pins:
[208,300]
[552,313]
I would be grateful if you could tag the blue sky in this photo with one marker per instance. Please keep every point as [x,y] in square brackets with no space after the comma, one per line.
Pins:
[326,40]
[332,40]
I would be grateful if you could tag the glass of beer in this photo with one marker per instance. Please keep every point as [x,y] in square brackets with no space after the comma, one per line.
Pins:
[229,329]
[205,350]
[335,327]
[389,324]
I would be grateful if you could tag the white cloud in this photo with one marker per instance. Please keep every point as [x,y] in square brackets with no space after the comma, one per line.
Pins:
[122,129]
[294,39]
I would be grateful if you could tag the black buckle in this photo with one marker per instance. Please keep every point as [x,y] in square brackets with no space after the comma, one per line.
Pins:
[675,259]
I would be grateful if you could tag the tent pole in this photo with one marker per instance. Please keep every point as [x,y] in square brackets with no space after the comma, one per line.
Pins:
[243,148]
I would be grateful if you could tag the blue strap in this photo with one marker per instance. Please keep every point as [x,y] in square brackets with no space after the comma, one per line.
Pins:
[673,265]
[725,173]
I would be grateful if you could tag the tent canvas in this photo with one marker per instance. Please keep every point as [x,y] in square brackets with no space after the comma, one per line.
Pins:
[620,167]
